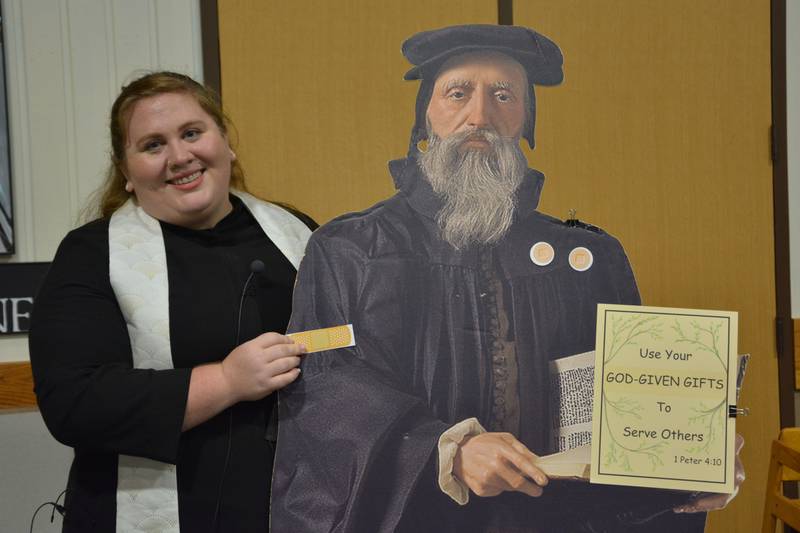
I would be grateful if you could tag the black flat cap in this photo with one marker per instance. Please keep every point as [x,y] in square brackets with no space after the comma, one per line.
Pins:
[539,56]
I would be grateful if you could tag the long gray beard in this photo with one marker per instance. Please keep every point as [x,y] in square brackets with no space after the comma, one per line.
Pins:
[478,187]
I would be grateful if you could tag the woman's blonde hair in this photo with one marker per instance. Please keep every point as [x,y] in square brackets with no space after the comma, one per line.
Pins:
[112,194]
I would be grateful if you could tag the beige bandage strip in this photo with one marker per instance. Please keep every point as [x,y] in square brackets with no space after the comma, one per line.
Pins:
[316,340]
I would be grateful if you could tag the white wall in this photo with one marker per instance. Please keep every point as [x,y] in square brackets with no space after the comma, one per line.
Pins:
[65,63]
[793,112]
[34,470]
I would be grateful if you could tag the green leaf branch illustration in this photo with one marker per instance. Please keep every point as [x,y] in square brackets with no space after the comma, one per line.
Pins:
[616,451]
[626,329]
[704,339]
[712,418]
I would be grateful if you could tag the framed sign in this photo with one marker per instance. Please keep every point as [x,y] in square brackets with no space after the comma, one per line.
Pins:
[19,283]
[665,380]
[6,208]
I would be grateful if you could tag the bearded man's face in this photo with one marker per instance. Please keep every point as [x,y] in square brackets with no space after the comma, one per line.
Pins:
[474,162]
[479,90]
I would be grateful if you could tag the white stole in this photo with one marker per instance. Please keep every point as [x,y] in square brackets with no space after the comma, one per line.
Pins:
[147,495]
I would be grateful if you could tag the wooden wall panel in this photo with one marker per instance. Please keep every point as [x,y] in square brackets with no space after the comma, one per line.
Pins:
[316,92]
[660,135]
[16,387]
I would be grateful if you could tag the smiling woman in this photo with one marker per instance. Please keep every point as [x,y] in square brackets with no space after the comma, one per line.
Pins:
[147,340]
[183,109]
[177,161]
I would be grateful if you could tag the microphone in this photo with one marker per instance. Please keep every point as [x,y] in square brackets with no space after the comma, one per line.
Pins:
[257,266]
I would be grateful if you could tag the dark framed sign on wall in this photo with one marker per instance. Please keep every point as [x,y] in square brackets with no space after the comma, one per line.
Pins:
[19,283]
[6,208]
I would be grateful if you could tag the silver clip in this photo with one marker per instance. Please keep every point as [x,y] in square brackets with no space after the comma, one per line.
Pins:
[735,410]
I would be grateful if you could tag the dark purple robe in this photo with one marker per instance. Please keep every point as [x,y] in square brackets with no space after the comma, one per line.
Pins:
[358,432]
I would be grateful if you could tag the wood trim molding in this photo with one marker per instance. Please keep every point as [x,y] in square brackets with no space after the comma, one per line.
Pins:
[796,329]
[209,27]
[505,12]
[787,379]
[16,387]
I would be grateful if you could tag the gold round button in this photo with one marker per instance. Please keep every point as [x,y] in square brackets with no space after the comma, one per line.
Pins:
[542,253]
[581,259]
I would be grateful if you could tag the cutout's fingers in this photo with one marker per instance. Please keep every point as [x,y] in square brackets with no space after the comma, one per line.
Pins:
[525,465]
[705,504]
[531,489]
[521,448]
[523,460]
[513,479]
[484,483]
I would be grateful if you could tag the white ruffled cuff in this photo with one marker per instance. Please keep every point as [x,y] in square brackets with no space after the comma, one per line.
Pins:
[448,447]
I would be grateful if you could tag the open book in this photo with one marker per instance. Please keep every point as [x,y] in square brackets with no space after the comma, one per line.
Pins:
[572,382]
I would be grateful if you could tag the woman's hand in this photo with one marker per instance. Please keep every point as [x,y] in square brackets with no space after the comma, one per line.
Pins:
[261,366]
[491,463]
[251,371]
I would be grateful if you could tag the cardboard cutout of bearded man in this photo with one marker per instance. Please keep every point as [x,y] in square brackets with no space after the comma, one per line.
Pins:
[430,422]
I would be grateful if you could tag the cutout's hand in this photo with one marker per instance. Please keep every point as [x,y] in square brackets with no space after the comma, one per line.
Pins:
[713,502]
[491,463]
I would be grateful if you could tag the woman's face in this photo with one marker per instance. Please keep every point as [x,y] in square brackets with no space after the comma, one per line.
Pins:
[177,161]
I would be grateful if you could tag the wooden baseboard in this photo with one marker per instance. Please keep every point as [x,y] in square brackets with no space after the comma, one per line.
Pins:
[16,387]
